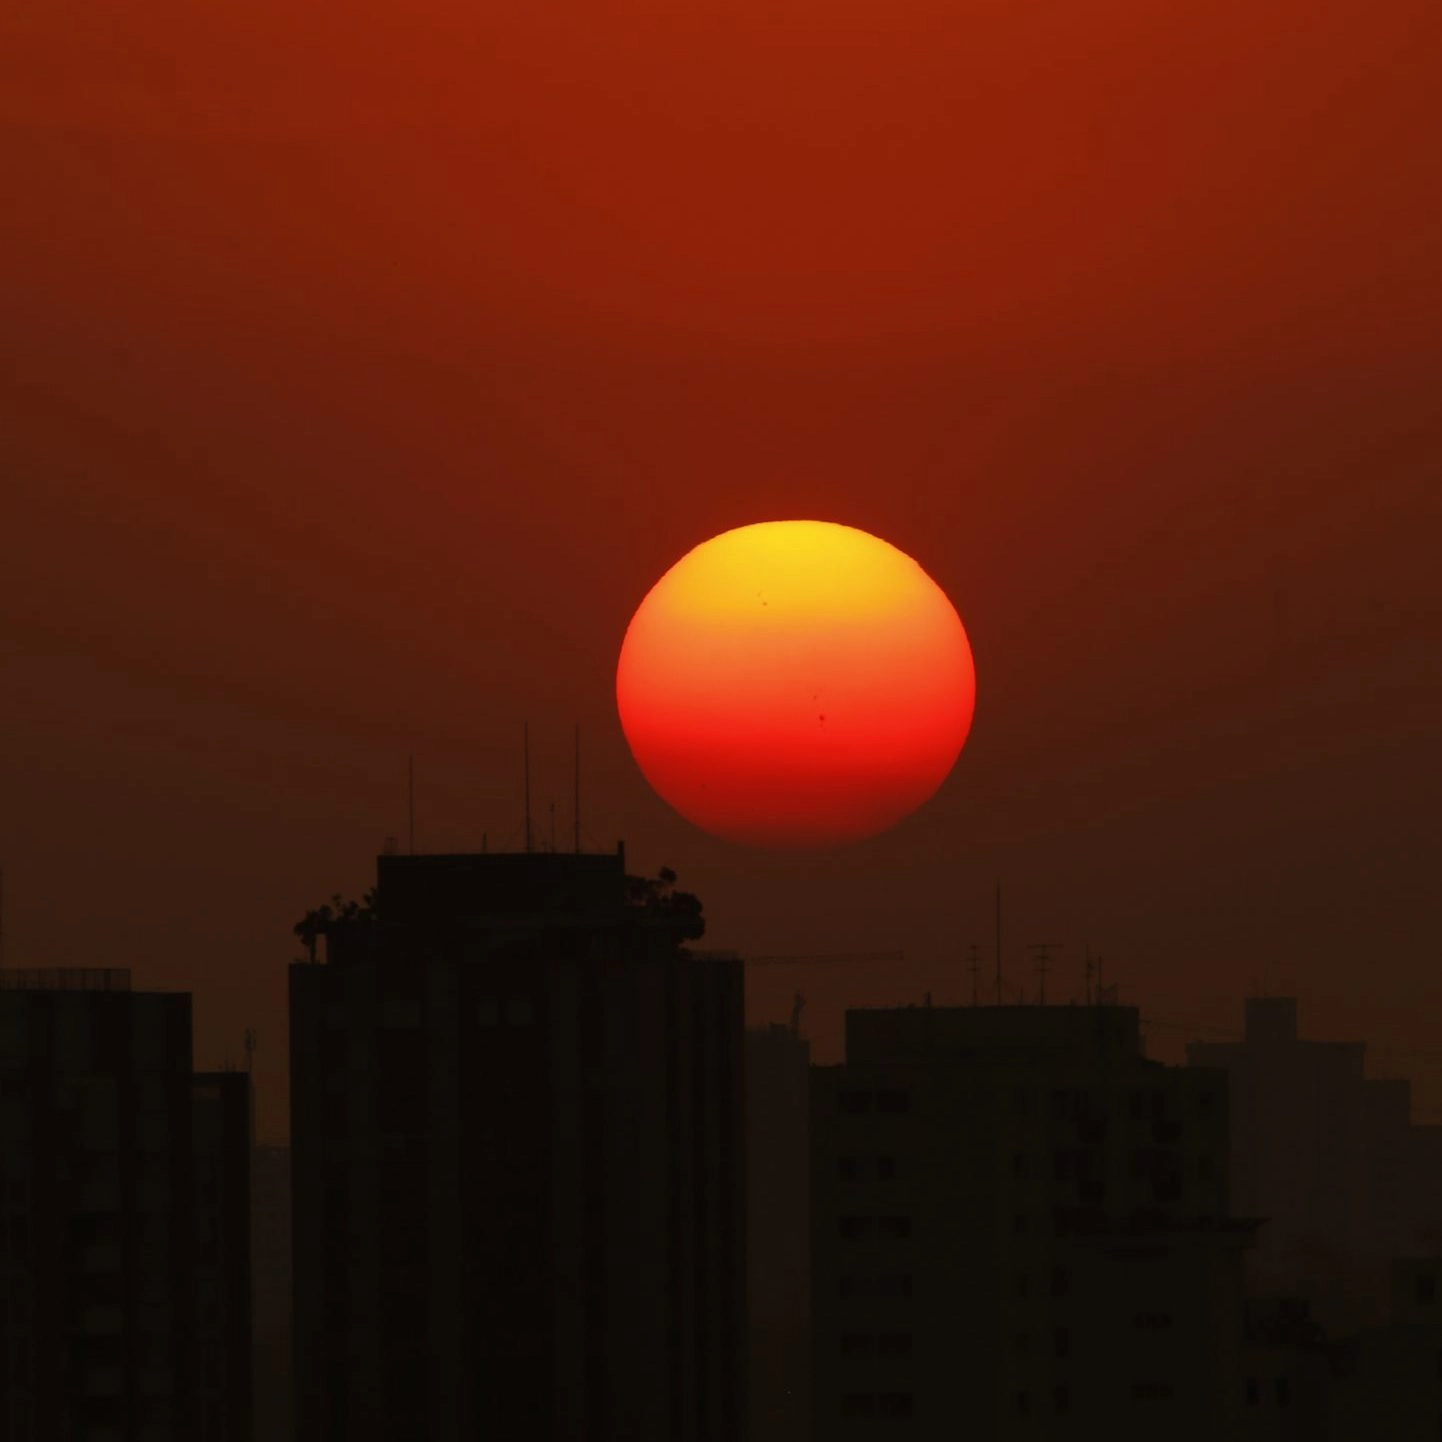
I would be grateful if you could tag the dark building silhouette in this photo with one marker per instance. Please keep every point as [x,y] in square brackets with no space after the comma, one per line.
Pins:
[517,1165]
[1387,1380]
[1021,1231]
[271,1293]
[778,1233]
[124,1218]
[1331,1162]
[1287,1368]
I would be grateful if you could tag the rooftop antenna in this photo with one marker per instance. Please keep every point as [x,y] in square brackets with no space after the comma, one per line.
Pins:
[973,965]
[1042,950]
[411,798]
[998,943]
[526,764]
[578,789]
[553,826]
[1088,966]
[249,1049]
[798,1004]
[2,915]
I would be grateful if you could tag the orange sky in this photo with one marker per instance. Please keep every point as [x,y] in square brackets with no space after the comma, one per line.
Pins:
[362,373]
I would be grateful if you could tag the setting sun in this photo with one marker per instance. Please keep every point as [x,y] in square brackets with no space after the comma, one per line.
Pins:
[795,684]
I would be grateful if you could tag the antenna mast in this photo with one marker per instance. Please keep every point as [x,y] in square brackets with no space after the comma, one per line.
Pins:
[998,943]
[578,788]
[973,965]
[1042,950]
[526,766]
[411,799]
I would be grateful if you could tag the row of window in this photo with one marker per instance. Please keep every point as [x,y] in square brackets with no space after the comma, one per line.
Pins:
[1281,1390]
[1087,1165]
[1081,1106]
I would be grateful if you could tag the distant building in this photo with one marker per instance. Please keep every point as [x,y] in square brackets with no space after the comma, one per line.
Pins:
[124,1218]
[1331,1163]
[1021,1232]
[1387,1380]
[517,1162]
[778,1233]
[1286,1373]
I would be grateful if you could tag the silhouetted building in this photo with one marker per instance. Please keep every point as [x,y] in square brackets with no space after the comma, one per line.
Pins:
[124,1218]
[1387,1380]
[271,1293]
[1020,1231]
[778,1233]
[1286,1373]
[517,1167]
[1330,1162]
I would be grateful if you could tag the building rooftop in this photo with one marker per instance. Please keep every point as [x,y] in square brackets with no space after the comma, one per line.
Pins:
[922,1033]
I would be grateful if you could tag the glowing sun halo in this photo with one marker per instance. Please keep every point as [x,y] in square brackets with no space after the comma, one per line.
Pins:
[795,684]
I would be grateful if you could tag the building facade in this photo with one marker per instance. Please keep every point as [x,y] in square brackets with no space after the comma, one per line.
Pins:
[778,1233]
[1020,1231]
[124,1219]
[517,1162]
[1331,1162]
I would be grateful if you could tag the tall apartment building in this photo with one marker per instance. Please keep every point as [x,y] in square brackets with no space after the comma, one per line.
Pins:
[778,1233]
[124,1219]
[1020,1231]
[517,1168]
[1331,1162]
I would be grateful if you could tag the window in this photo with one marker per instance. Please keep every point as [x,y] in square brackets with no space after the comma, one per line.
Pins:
[893,1229]
[1023,1100]
[1152,1321]
[1021,1344]
[856,1229]
[855,1345]
[893,1103]
[1061,1342]
[1284,1392]
[1206,1102]
[1426,1288]
[858,1404]
[1060,1399]
[1060,1282]
[520,1011]
[1023,1284]
[1022,1404]
[1021,1224]
[846,1169]
[894,1404]
[894,1345]
[852,1104]
[1206,1169]
[1018,1164]
[886,1169]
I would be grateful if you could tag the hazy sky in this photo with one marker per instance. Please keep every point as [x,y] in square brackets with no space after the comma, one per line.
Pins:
[361,372]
